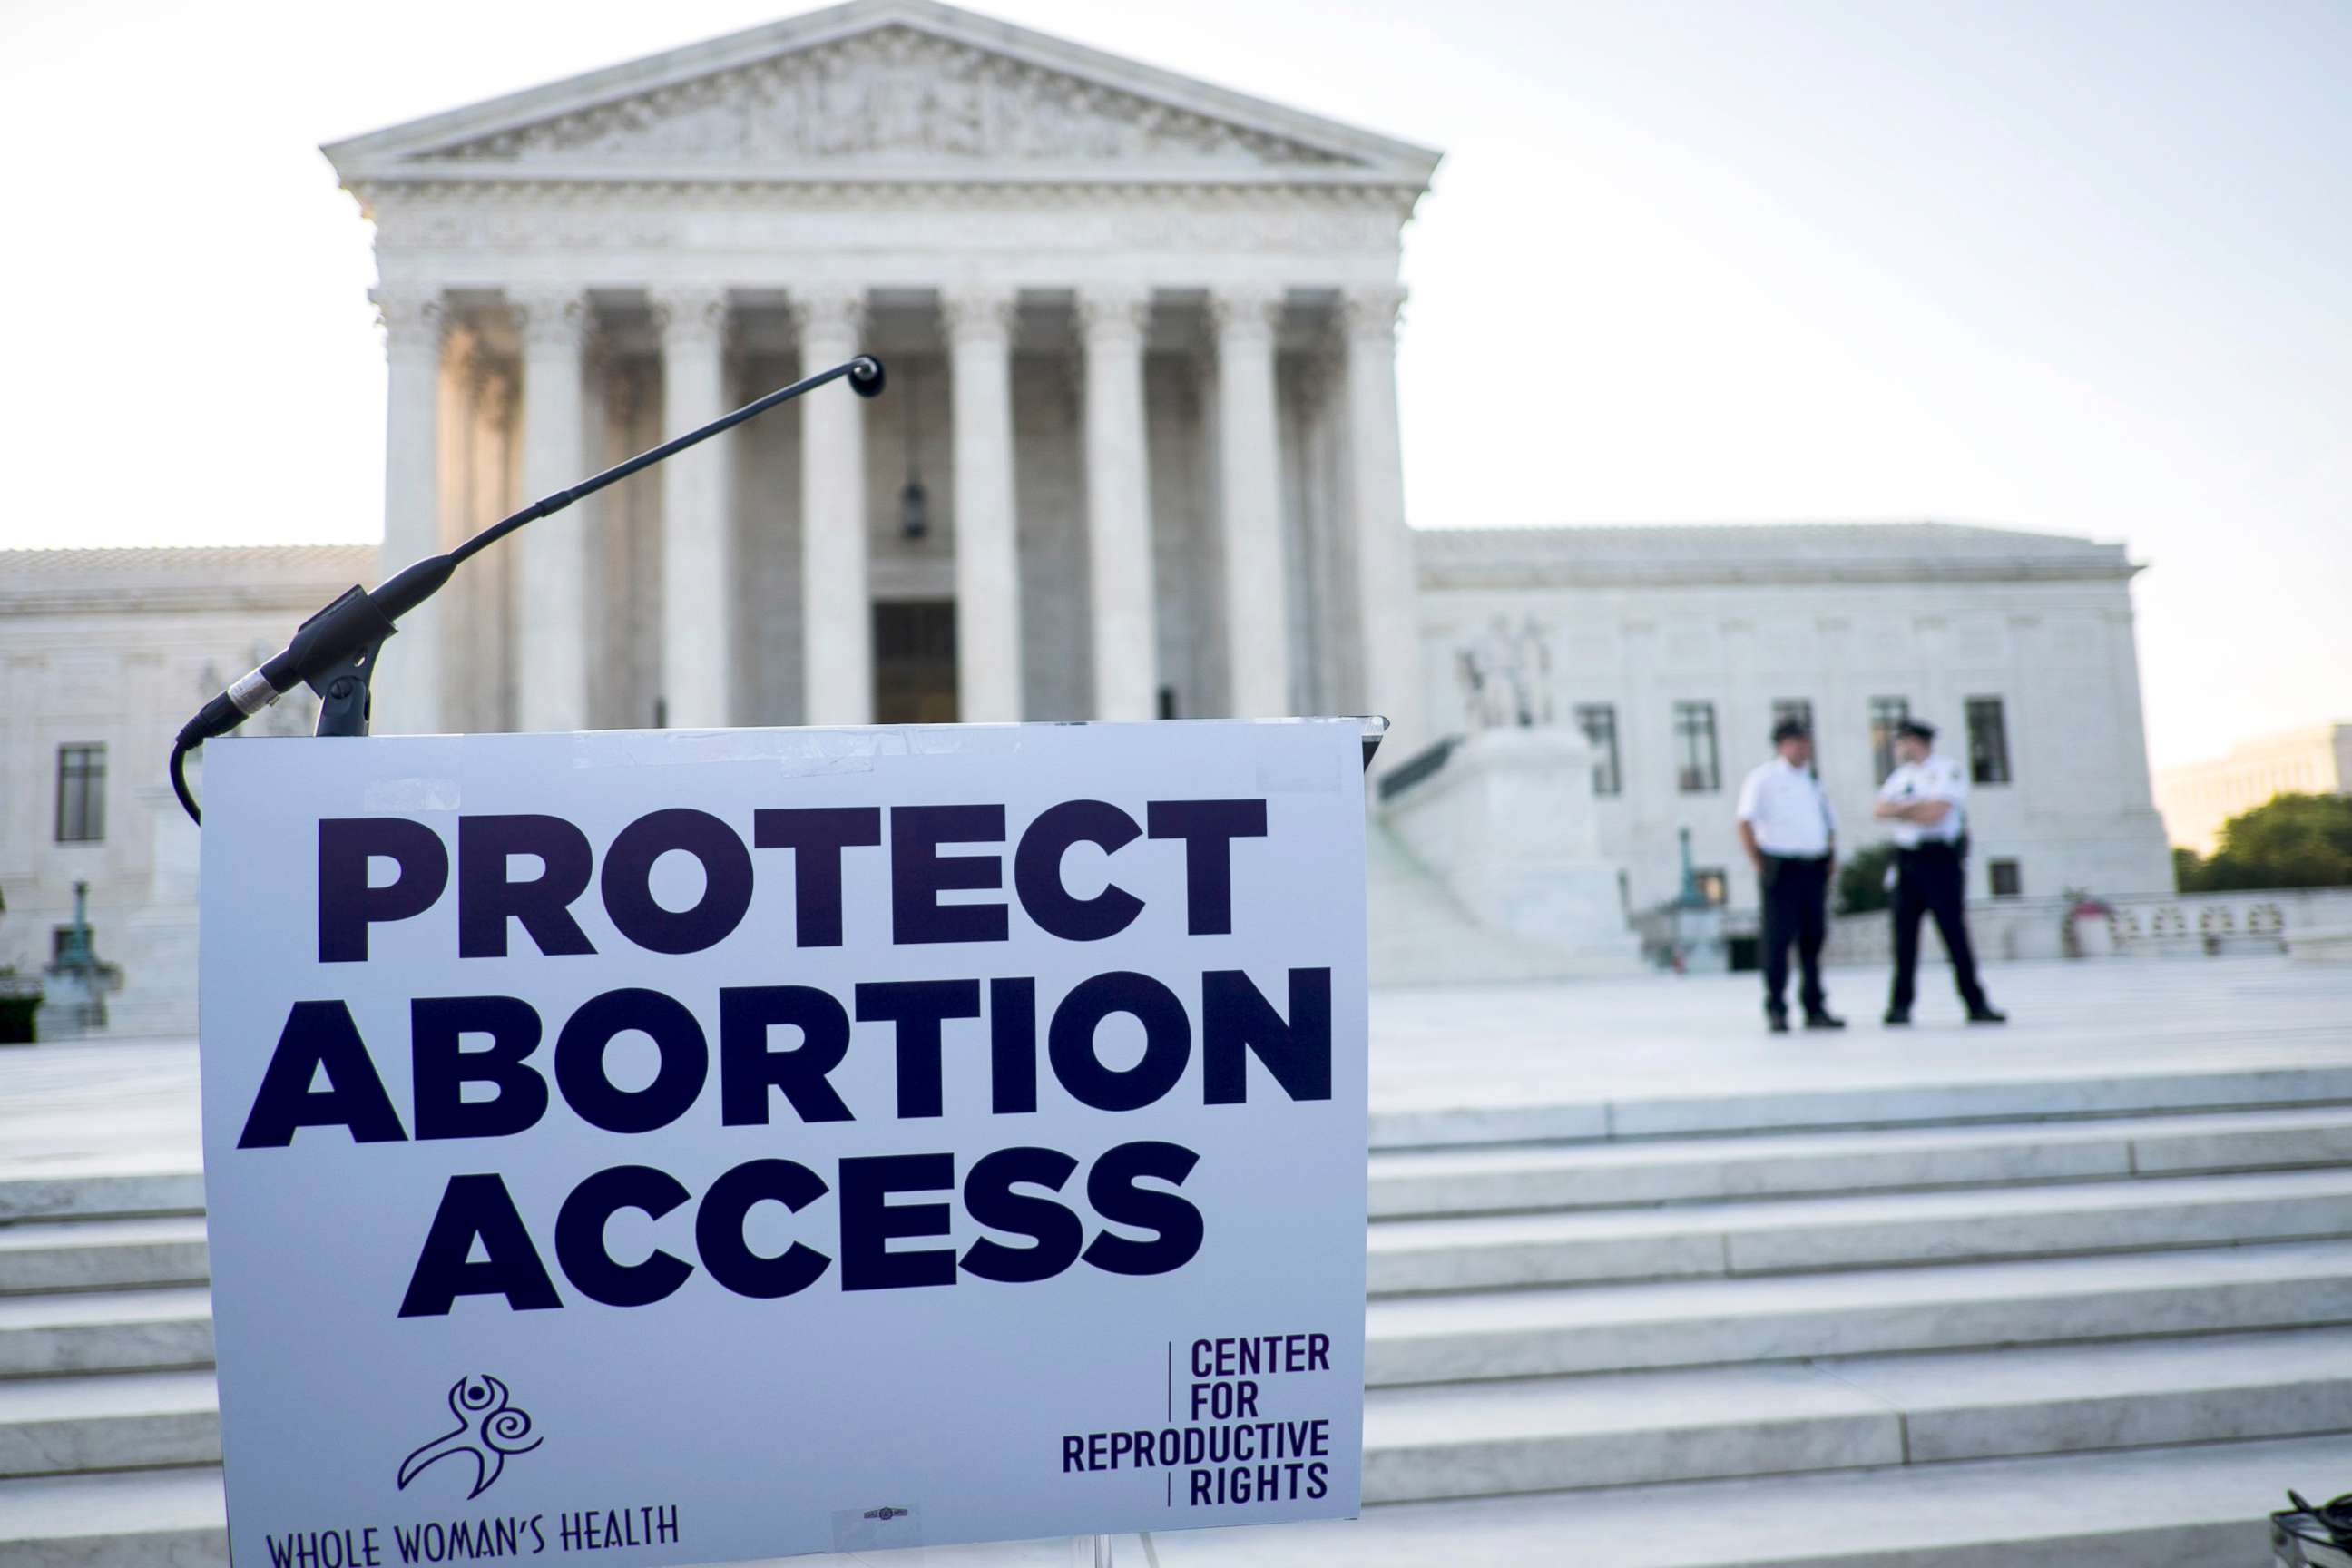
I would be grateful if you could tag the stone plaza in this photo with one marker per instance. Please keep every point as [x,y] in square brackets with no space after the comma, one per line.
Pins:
[1644,1291]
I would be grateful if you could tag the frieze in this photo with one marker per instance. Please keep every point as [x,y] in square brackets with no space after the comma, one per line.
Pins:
[893,93]
[576,220]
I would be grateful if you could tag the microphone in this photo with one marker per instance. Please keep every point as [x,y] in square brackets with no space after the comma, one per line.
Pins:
[334,652]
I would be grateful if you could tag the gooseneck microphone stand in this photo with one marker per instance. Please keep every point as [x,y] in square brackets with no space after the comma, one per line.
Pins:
[334,652]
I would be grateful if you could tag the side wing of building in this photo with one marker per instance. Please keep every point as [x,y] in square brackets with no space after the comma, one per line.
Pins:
[105,654]
[1677,649]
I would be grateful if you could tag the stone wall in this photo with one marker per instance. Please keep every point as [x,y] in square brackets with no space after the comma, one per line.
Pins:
[118,648]
[1741,618]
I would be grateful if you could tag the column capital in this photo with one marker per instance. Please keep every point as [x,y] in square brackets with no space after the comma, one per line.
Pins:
[415,320]
[686,315]
[836,310]
[981,312]
[1250,310]
[1370,310]
[553,316]
[1111,311]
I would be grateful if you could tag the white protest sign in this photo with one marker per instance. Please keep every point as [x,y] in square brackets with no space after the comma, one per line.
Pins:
[685,1147]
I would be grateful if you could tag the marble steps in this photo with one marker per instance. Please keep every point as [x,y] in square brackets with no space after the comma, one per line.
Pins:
[55,1426]
[1407,1184]
[2201,1506]
[105,1331]
[131,1519]
[96,1253]
[1532,1435]
[101,1196]
[1562,1435]
[1840,1104]
[1468,1335]
[2189,1507]
[1549,1434]
[1856,1231]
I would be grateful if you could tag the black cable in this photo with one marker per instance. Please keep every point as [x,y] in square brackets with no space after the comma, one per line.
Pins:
[865,378]
[180,749]
[356,624]
[2334,1517]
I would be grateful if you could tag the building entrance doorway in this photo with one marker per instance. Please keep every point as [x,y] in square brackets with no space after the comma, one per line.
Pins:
[915,662]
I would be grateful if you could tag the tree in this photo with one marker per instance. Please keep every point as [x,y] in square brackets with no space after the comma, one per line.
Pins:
[2290,841]
[1861,880]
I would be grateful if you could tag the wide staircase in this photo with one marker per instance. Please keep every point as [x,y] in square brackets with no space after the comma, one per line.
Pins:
[2101,1321]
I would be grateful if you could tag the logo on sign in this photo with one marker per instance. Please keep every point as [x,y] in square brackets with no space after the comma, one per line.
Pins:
[489,1428]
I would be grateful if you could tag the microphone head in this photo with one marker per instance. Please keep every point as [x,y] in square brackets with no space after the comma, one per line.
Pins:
[865,377]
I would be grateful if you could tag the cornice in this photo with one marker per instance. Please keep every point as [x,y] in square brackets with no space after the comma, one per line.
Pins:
[1757,574]
[902,186]
[1658,558]
[278,579]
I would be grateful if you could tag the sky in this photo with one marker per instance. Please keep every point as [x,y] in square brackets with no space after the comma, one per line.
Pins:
[2073,266]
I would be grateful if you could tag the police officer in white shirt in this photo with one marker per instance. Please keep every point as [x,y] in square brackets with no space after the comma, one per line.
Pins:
[1790,834]
[1926,797]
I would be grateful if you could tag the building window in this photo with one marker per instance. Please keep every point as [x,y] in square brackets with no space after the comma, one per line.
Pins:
[1695,746]
[1887,715]
[1598,722]
[81,794]
[2008,882]
[1712,885]
[1988,741]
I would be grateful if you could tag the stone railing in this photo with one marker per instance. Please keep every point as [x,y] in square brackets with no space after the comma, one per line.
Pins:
[2146,925]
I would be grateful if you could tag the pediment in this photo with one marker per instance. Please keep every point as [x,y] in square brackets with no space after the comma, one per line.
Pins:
[871,86]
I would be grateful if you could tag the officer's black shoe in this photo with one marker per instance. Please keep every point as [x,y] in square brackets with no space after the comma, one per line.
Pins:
[1777,1022]
[1823,1021]
[1987,1014]
[1897,1017]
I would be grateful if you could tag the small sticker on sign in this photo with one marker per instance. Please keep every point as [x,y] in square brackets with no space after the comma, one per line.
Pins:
[881,1528]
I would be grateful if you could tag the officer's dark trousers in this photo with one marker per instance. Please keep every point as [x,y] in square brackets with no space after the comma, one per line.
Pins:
[1932,880]
[1796,908]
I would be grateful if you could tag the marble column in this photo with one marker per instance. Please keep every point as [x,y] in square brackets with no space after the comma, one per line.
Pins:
[1249,489]
[552,682]
[407,701]
[1111,322]
[979,325]
[487,608]
[460,364]
[1388,625]
[698,640]
[836,600]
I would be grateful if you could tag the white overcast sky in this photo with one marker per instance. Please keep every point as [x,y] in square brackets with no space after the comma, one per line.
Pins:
[2069,265]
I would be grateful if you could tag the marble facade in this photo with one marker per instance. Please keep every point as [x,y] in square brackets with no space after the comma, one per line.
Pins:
[1141,335]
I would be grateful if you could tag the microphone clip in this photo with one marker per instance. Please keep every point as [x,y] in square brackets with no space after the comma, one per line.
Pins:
[334,653]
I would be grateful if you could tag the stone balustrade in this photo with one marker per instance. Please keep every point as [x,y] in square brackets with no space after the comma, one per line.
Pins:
[2147,926]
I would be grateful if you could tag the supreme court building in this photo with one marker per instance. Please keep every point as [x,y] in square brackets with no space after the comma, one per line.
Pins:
[1137,458]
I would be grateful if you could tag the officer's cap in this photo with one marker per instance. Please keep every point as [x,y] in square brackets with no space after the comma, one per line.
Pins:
[1918,729]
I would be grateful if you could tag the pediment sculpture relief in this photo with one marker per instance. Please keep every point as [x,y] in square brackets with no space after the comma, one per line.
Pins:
[892,93]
